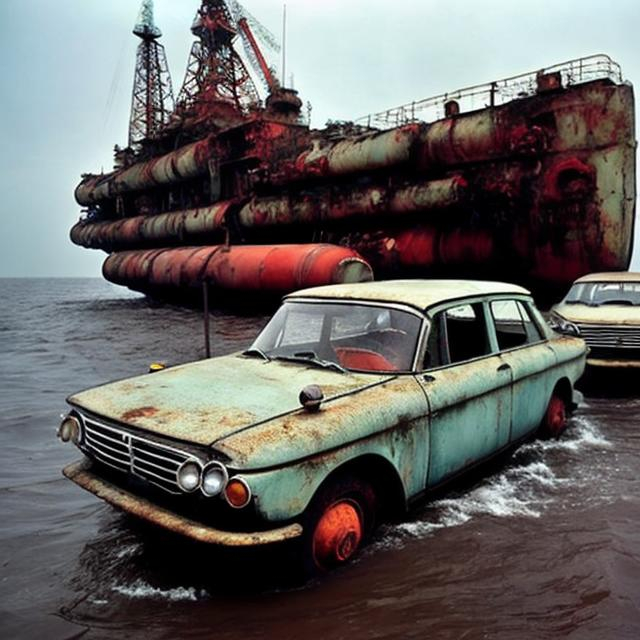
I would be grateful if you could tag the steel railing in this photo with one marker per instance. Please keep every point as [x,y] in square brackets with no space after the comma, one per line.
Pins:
[596,67]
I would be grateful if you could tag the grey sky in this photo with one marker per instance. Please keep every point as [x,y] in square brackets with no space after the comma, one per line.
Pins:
[67,70]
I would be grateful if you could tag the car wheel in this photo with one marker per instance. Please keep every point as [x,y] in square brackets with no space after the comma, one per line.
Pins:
[555,418]
[340,519]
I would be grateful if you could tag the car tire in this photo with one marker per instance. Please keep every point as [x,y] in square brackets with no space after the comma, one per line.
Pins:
[555,418]
[339,520]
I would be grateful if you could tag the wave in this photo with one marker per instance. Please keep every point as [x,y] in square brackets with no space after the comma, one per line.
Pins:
[142,590]
[524,489]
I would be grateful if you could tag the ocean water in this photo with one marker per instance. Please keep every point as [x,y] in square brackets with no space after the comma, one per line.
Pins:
[546,545]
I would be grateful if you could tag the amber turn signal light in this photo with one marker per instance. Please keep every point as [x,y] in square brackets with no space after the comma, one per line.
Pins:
[237,493]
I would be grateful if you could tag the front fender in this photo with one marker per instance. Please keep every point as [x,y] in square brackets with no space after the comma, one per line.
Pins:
[283,493]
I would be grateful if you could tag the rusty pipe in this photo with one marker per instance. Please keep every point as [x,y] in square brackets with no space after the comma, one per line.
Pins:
[316,206]
[189,225]
[185,163]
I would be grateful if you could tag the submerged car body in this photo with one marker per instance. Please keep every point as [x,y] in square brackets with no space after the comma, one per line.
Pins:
[605,307]
[354,401]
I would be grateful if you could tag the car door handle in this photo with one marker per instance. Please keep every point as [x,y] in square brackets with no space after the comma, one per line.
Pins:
[504,367]
[428,378]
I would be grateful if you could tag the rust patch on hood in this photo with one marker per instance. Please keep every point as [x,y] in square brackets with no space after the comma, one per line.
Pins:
[141,412]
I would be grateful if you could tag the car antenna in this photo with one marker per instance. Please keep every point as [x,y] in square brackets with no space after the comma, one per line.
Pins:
[205,298]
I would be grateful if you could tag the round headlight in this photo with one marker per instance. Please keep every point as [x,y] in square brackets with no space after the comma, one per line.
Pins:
[69,429]
[214,479]
[189,476]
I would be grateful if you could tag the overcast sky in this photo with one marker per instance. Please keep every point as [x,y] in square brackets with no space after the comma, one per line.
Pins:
[67,70]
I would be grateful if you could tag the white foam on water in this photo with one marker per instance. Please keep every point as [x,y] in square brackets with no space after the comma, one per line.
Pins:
[522,490]
[581,434]
[129,550]
[140,589]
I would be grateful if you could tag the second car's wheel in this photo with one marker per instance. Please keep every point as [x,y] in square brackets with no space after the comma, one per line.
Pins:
[339,520]
[555,418]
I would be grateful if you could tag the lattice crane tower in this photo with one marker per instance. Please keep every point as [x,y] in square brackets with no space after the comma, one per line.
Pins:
[152,98]
[216,75]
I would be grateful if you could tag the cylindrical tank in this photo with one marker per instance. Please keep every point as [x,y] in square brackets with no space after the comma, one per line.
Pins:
[273,269]
[316,206]
[190,225]
[185,163]
[366,153]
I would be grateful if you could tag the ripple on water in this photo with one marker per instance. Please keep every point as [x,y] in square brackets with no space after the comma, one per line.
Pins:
[529,485]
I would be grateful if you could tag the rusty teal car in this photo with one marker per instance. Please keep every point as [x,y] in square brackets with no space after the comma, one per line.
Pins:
[354,402]
[604,308]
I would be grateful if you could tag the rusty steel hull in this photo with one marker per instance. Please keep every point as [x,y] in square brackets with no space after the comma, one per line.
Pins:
[542,187]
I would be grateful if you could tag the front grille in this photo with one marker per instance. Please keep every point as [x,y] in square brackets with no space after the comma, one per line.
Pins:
[153,462]
[610,336]
[601,353]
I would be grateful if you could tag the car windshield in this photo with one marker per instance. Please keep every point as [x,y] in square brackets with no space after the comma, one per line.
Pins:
[597,293]
[348,336]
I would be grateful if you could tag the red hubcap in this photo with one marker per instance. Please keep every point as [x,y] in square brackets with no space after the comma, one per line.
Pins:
[338,534]
[556,416]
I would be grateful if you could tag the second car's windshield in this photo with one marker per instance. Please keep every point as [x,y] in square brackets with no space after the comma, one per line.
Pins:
[352,336]
[597,293]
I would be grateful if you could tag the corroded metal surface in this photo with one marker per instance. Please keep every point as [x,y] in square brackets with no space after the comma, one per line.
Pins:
[613,364]
[80,473]
[267,268]
[206,401]
[188,162]
[159,230]
[541,185]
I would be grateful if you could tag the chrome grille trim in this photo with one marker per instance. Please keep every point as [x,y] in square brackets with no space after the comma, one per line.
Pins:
[610,336]
[156,463]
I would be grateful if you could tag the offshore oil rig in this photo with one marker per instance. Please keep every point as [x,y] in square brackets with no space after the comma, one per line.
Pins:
[530,179]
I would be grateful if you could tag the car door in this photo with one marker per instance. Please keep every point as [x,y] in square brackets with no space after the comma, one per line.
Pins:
[530,359]
[468,388]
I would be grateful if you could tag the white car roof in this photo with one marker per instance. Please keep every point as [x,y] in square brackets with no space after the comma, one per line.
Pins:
[611,276]
[417,293]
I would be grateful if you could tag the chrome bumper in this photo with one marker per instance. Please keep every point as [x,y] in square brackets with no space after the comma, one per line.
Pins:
[80,473]
[614,364]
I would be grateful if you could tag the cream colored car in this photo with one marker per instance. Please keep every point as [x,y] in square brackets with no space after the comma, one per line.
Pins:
[605,308]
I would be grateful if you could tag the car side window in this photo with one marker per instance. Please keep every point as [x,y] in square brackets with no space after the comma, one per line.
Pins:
[457,334]
[514,325]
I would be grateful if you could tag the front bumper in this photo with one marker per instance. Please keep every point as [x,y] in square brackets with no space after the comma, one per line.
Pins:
[80,472]
[613,364]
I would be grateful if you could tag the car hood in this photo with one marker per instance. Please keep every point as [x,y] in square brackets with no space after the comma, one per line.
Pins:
[206,401]
[604,314]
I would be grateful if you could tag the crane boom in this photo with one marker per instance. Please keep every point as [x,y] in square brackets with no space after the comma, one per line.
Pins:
[245,31]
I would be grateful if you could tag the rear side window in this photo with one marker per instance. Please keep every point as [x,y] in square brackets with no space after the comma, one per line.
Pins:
[514,325]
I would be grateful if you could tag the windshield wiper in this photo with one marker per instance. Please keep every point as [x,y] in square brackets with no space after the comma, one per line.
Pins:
[254,351]
[311,357]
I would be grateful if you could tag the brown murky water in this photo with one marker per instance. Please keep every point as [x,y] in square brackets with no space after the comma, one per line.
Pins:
[544,546]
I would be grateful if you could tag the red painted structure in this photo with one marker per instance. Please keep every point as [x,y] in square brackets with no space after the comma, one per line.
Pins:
[538,188]
[262,269]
